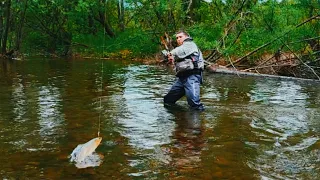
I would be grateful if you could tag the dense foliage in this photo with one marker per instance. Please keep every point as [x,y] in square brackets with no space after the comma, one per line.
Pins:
[131,28]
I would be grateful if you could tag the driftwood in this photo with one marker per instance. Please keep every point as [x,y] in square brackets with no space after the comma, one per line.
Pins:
[103,58]
[270,66]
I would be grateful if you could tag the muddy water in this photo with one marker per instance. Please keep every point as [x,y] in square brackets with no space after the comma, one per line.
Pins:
[252,128]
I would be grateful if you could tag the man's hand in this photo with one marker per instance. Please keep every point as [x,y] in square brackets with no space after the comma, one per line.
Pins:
[170,58]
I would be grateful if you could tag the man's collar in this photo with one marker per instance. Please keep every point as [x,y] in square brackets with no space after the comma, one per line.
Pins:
[188,39]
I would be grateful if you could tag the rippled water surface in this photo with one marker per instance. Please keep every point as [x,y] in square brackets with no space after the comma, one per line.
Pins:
[253,128]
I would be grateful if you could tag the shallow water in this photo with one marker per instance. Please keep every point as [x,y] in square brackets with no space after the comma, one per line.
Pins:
[252,128]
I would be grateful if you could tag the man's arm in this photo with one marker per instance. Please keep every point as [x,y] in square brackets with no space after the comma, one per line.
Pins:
[186,49]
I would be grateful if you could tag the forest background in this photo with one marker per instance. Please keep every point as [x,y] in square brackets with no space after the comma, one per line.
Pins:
[238,33]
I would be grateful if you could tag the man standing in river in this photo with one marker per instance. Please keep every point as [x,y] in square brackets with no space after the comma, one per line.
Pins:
[188,61]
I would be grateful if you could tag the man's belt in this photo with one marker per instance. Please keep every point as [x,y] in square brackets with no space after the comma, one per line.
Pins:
[189,73]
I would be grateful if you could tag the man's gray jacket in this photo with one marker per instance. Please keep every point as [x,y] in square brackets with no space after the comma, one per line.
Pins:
[186,49]
[188,59]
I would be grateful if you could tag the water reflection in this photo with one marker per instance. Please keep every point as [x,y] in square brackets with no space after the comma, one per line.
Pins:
[187,141]
[141,118]
[19,100]
[19,111]
[51,119]
[145,125]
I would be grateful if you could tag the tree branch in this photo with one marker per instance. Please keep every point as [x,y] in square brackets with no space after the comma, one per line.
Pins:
[267,44]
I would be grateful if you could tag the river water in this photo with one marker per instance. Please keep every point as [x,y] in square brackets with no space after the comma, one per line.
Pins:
[252,128]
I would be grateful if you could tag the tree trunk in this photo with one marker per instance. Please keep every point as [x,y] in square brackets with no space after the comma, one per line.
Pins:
[92,27]
[20,27]
[104,22]
[188,7]
[6,28]
[121,14]
[67,41]
[1,24]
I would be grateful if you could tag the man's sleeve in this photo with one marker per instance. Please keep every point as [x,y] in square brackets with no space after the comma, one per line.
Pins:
[184,50]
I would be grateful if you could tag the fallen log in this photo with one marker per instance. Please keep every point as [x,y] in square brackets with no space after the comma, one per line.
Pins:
[269,66]
[224,70]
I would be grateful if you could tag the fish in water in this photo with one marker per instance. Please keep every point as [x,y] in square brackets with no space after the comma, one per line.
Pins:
[83,155]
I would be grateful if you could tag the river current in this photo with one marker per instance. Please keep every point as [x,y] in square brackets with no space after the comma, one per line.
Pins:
[252,128]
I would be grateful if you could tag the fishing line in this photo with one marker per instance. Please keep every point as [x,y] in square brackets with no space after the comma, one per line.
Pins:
[101,78]
[100,103]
